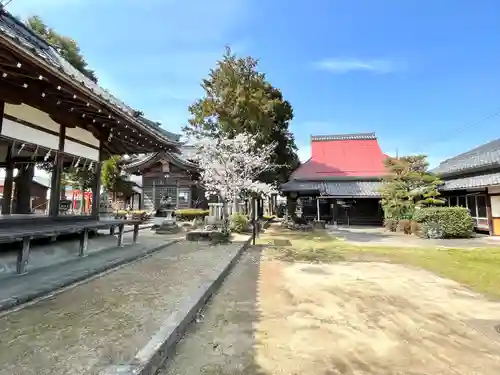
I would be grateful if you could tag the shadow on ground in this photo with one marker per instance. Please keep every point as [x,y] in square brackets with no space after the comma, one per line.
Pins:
[222,340]
[358,235]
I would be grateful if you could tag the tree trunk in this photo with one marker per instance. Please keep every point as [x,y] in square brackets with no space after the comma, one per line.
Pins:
[24,181]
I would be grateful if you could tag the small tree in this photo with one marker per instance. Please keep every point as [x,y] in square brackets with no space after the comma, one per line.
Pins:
[230,166]
[408,184]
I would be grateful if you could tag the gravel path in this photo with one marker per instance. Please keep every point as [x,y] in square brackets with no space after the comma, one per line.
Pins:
[107,320]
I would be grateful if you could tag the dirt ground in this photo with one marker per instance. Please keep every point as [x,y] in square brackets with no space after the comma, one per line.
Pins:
[359,318]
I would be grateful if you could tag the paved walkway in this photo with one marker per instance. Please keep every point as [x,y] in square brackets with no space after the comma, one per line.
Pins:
[15,288]
[107,320]
[370,236]
[61,251]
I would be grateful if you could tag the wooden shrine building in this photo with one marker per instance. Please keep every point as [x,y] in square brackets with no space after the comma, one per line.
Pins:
[51,113]
[341,181]
[169,174]
[472,180]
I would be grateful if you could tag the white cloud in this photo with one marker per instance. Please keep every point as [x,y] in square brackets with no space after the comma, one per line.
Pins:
[346,65]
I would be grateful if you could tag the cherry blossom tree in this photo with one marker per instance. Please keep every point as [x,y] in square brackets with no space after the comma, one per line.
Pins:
[230,166]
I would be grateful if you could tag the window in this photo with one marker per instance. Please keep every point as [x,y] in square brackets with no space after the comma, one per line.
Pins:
[471,205]
[183,196]
[453,201]
[481,206]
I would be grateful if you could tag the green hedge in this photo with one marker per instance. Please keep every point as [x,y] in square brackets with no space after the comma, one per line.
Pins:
[239,223]
[444,222]
[189,214]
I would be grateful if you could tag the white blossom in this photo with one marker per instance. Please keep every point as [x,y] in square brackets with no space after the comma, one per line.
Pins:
[230,166]
[262,188]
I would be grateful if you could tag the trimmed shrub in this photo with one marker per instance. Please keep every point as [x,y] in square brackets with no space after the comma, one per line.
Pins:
[404,225]
[391,224]
[444,222]
[239,223]
[189,214]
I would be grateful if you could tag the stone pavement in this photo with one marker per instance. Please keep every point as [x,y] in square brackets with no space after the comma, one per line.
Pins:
[107,320]
[16,289]
[60,251]
[374,236]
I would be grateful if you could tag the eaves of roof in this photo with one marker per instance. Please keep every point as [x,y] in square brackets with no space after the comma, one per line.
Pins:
[481,158]
[20,38]
[341,189]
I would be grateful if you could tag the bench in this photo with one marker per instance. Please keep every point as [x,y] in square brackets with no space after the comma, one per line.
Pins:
[26,230]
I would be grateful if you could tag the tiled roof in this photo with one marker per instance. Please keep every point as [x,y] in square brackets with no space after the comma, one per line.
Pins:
[157,126]
[351,188]
[182,158]
[484,156]
[472,182]
[22,37]
[341,155]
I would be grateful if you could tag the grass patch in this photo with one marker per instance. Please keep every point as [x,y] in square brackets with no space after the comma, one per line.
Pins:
[476,268]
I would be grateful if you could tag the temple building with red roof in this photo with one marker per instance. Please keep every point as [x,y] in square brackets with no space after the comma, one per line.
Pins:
[341,181]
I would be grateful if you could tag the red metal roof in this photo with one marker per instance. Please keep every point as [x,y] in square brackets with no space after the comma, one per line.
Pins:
[343,155]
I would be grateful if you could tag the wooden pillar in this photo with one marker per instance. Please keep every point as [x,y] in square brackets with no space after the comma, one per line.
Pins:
[317,208]
[55,182]
[154,194]
[178,184]
[488,211]
[8,184]
[96,186]
[24,180]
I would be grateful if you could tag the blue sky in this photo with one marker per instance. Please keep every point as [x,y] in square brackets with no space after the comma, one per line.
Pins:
[423,74]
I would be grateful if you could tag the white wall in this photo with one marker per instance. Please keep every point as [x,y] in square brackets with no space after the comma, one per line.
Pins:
[16,130]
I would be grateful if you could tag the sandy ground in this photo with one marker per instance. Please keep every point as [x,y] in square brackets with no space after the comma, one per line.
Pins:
[359,318]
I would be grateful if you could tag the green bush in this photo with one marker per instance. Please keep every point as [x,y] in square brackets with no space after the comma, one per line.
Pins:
[444,222]
[189,214]
[239,223]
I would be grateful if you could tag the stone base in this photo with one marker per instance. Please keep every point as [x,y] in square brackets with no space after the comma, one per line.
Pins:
[167,227]
[200,235]
[319,224]
[214,236]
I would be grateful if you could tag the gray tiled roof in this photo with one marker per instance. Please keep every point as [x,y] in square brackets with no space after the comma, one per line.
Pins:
[487,155]
[20,35]
[472,182]
[157,126]
[182,158]
[336,188]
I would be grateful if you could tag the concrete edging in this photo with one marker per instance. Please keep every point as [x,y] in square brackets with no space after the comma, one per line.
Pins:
[57,287]
[153,355]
